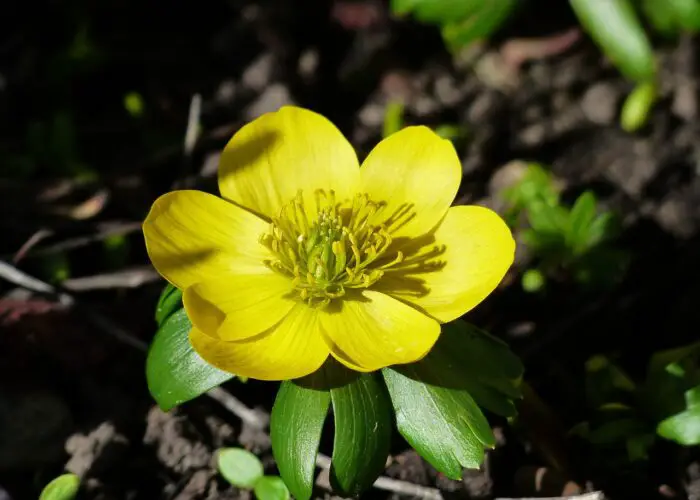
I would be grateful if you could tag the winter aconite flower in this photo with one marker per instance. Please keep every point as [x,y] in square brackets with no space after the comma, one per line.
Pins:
[307,254]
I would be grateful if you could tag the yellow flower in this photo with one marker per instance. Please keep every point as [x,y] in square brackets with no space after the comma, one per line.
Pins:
[308,254]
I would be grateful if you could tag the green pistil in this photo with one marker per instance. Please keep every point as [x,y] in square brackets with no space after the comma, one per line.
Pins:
[338,250]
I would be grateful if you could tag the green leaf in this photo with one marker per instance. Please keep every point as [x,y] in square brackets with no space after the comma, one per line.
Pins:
[271,488]
[618,430]
[615,27]
[240,467]
[635,110]
[687,13]
[174,371]
[581,218]
[363,426]
[450,132]
[479,24]
[169,302]
[64,487]
[434,399]
[393,118]
[604,228]
[661,16]
[297,419]
[445,426]
[684,427]
[606,382]
[545,218]
[445,11]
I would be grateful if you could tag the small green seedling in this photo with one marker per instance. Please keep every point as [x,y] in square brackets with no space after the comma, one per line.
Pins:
[635,111]
[64,487]
[244,470]
[574,242]
[394,121]
[628,416]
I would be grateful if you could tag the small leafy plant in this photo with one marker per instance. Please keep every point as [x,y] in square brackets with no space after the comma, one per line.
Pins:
[565,242]
[244,470]
[628,416]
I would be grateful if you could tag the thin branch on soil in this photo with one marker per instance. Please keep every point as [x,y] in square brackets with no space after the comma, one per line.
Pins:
[595,495]
[103,232]
[256,419]
[388,484]
[30,243]
[128,278]
[192,132]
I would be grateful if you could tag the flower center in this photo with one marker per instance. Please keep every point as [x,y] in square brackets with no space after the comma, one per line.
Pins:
[341,248]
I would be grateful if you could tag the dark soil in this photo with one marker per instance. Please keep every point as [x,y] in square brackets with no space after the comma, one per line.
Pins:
[74,398]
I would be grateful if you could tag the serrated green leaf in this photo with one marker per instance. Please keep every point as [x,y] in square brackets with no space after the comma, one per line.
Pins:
[169,302]
[297,419]
[64,487]
[240,467]
[445,426]
[271,488]
[174,371]
[615,27]
[363,426]
[472,354]
[581,218]
[434,399]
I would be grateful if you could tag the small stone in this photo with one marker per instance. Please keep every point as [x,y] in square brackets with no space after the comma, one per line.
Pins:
[482,106]
[372,115]
[226,92]
[308,64]
[685,101]
[507,176]
[599,103]
[447,91]
[533,135]
[675,216]
[425,105]
[259,73]
[273,98]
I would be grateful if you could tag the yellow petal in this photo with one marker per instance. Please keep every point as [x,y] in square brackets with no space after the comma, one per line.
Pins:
[291,349]
[238,306]
[475,248]
[373,330]
[270,159]
[192,236]
[416,172]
